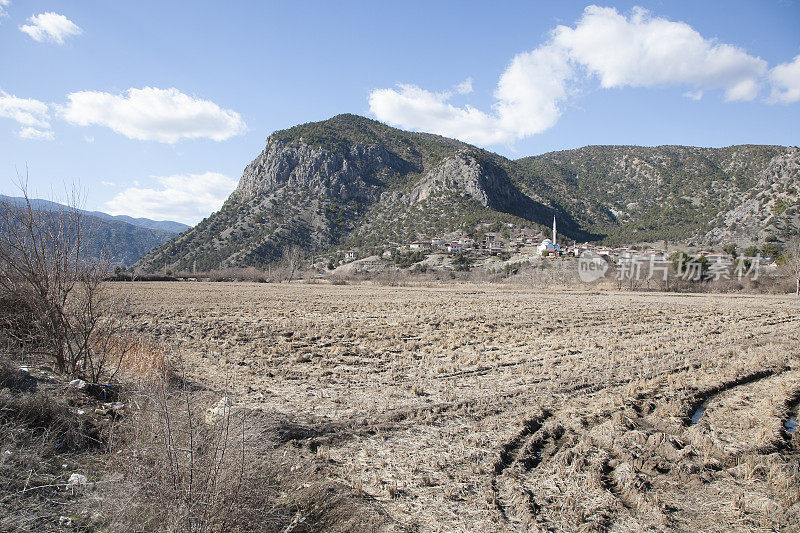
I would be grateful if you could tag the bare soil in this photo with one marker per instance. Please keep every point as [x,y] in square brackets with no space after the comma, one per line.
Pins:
[480,408]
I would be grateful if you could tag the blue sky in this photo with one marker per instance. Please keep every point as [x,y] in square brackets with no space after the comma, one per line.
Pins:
[154,108]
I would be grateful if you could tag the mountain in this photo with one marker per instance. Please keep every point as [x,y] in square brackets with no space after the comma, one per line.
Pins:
[354,182]
[169,226]
[124,241]
[162,225]
[679,193]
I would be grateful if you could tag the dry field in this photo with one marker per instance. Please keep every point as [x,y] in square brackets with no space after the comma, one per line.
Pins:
[480,408]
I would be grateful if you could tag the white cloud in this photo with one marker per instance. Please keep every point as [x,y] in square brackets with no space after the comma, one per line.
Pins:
[465,87]
[26,111]
[153,114]
[50,27]
[694,95]
[29,132]
[531,90]
[639,51]
[645,51]
[785,80]
[31,114]
[185,198]
[3,5]
[410,107]
[108,183]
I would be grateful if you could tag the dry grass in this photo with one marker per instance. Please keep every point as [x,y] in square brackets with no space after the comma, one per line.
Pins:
[43,440]
[174,458]
[467,407]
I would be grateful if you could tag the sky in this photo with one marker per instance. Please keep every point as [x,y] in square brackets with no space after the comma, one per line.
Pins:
[154,109]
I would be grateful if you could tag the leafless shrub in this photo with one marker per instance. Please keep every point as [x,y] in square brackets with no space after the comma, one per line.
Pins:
[54,289]
[235,274]
[182,472]
[188,468]
[791,262]
[291,261]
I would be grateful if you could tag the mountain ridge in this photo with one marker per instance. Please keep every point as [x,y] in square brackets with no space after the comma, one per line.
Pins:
[169,226]
[123,241]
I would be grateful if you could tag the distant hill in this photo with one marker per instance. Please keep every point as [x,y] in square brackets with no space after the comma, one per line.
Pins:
[163,225]
[126,242]
[354,182]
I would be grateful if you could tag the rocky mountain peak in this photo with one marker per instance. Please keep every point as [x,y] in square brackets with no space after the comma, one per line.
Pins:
[343,174]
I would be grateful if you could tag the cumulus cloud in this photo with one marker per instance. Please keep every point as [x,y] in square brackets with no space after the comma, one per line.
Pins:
[26,111]
[185,198]
[3,5]
[617,51]
[50,27]
[645,51]
[785,80]
[153,114]
[31,114]
[411,107]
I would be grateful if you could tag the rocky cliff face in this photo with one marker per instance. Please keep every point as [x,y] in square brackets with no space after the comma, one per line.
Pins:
[481,180]
[353,174]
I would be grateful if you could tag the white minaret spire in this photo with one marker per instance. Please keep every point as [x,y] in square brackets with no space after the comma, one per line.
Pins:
[554,229]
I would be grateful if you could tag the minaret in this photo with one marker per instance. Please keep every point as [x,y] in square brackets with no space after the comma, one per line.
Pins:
[554,229]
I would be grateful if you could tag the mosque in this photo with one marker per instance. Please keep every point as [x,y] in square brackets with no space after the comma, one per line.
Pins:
[550,246]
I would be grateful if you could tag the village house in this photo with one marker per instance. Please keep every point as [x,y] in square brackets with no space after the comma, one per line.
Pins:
[454,248]
[419,245]
[496,247]
[350,255]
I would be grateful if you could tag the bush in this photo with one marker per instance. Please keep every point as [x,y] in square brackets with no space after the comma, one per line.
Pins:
[462,263]
[45,271]
[406,259]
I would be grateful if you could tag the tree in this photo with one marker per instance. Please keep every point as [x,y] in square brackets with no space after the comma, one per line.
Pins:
[771,250]
[292,257]
[730,249]
[791,261]
[751,251]
[45,268]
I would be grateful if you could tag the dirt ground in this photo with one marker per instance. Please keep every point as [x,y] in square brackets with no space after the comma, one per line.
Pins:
[483,408]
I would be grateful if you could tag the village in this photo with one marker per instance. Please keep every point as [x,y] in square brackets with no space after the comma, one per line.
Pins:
[512,246]
[527,242]
[492,244]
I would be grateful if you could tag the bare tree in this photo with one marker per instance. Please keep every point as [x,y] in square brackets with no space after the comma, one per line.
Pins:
[46,269]
[292,257]
[792,261]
